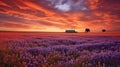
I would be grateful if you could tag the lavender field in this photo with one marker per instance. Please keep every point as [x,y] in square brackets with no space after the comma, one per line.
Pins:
[59,49]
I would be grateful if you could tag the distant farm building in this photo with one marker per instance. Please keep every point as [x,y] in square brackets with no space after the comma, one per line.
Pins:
[70,31]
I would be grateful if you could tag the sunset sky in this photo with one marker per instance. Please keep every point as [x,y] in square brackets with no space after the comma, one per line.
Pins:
[59,15]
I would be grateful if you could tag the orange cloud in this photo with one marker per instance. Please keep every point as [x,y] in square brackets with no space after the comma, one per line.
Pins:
[35,6]
[4,4]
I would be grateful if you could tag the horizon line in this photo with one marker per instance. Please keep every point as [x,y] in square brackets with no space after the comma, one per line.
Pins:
[56,32]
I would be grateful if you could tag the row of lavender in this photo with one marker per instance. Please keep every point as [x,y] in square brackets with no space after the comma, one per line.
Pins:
[62,52]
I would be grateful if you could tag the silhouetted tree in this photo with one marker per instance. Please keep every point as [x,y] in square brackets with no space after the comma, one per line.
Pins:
[87,30]
[103,30]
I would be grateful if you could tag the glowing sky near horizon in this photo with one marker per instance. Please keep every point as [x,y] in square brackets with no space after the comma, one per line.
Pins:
[59,15]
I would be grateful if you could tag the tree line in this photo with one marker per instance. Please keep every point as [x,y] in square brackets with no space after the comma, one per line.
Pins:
[88,30]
